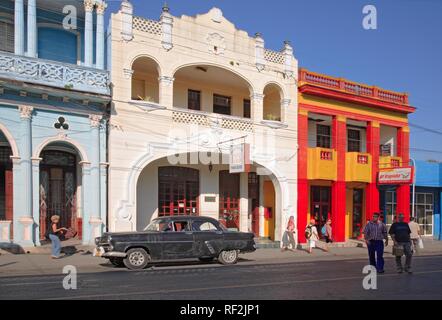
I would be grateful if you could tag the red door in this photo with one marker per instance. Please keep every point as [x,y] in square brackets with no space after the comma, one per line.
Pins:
[6,186]
[229,199]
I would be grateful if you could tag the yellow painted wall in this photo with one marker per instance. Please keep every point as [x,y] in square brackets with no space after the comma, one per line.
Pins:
[269,202]
[355,171]
[349,213]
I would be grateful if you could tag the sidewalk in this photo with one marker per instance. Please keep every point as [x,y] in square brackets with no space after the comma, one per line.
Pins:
[42,264]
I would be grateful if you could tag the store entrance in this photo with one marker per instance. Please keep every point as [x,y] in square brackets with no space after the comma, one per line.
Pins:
[320,205]
[358,200]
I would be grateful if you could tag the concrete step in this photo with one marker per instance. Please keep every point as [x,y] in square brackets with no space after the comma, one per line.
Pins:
[266,243]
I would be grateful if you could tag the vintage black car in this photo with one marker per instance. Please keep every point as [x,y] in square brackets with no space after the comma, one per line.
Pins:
[174,238]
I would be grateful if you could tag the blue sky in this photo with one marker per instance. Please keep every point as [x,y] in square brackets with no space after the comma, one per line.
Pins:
[404,54]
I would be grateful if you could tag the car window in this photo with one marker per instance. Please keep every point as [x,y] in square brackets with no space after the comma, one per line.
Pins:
[204,226]
[158,225]
[181,226]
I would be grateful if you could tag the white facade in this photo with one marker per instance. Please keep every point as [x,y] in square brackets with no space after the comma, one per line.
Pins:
[154,64]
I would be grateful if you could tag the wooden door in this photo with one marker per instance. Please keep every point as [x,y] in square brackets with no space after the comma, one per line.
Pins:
[229,199]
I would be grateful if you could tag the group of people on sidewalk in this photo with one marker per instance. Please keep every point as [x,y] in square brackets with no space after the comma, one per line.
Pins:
[406,238]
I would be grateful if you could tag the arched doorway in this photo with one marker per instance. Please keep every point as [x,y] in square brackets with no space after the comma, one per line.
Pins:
[6,181]
[145,86]
[59,181]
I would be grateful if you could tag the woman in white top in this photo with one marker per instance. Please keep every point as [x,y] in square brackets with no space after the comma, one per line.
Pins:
[313,241]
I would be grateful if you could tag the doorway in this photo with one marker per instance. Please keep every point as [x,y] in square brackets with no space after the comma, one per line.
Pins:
[253,191]
[6,187]
[357,219]
[229,199]
[58,189]
[320,205]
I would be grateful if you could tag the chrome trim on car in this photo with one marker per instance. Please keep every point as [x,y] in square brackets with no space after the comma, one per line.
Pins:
[114,254]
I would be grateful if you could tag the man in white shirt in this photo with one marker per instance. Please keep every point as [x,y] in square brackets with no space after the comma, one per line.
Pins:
[415,233]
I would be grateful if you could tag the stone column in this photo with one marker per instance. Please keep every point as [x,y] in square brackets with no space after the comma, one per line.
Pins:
[36,196]
[288,59]
[166,22]
[261,207]
[86,198]
[32,29]
[101,7]
[95,179]
[257,107]
[126,11]
[26,220]
[166,91]
[285,104]
[244,202]
[19,28]
[259,52]
[88,33]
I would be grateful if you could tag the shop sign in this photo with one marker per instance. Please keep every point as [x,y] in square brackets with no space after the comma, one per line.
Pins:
[396,176]
[240,158]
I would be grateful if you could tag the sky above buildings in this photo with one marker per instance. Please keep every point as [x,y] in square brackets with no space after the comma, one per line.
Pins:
[403,54]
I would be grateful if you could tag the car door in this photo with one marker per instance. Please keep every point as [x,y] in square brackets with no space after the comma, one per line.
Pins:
[208,237]
[178,240]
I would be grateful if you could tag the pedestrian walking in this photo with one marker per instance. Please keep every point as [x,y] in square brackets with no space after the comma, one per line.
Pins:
[289,237]
[311,234]
[327,231]
[375,232]
[400,233]
[54,234]
[415,234]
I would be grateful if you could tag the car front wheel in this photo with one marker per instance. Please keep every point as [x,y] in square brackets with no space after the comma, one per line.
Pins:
[136,259]
[228,257]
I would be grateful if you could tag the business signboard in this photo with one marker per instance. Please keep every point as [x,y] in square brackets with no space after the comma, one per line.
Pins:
[396,176]
[239,158]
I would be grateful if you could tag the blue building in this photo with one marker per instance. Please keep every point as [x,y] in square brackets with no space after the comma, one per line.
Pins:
[54,97]
[428,201]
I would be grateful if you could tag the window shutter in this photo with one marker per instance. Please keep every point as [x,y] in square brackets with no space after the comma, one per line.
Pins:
[6,36]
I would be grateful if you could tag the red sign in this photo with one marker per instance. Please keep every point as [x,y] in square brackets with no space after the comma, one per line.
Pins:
[396,176]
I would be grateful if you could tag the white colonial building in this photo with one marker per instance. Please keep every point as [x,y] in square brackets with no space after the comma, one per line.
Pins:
[187,91]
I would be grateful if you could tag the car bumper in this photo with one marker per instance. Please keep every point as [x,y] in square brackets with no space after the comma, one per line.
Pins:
[101,253]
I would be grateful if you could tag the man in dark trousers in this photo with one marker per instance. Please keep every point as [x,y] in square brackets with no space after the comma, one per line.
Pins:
[375,233]
[400,233]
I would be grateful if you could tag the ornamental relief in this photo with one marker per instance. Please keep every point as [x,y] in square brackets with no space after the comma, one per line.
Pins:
[217,43]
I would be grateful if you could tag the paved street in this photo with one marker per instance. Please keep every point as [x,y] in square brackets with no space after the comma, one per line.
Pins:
[266,274]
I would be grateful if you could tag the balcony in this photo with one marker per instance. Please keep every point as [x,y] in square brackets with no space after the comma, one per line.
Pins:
[322,164]
[388,162]
[206,119]
[52,73]
[358,167]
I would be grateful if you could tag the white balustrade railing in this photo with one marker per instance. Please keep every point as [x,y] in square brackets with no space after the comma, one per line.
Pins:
[53,73]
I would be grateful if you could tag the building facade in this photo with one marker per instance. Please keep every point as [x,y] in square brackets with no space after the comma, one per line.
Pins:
[54,96]
[353,141]
[187,92]
[428,197]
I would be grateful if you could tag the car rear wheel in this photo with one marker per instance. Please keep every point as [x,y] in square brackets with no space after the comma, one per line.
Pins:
[136,259]
[228,257]
[117,262]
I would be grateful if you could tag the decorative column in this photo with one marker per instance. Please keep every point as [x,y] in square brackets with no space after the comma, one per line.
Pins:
[244,202]
[372,192]
[101,7]
[339,138]
[32,29]
[261,208]
[166,91]
[288,59]
[126,11]
[36,196]
[285,104]
[259,52]
[303,185]
[26,220]
[257,107]
[95,221]
[88,33]
[166,22]
[19,28]
[87,199]
[403,191]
